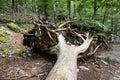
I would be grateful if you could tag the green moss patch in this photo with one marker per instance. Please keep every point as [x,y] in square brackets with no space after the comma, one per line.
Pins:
[6,49]
[3,39]
[1,33]
[13,26]
[21,51]
[108,59]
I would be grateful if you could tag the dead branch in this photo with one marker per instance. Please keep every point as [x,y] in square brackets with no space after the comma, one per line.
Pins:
[46,33]
[90,53]
[82,48]
[79,36]
[65,23]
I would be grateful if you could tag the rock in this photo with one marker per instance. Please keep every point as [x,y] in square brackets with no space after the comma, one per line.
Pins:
[18,69]
[10,56]
[9,32]
[1,28]
[3,55]
[104,62]
[29,54]
[22,72]
[83,68]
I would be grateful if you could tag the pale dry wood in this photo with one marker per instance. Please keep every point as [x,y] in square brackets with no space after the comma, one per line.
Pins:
[90,53]
[65,23]
[66,65]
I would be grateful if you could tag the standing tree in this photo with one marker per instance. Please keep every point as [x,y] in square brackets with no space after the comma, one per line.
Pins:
[13,4]
[95,9]
[54,11]
[69,9]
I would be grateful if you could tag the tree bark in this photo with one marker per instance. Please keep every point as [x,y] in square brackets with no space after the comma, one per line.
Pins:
[75,6]
[13,4]
[69,9]
[104,17]
[45,10]
[95,9]
[54,10]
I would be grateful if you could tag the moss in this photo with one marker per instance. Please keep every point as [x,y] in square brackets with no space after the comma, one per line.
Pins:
[1,33]
[21,51]
[3,39]
[13,26]
[25,27]
[6,49]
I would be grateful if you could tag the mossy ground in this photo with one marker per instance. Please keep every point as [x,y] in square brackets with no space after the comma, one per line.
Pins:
[6,50]
[3,39]
[10,40]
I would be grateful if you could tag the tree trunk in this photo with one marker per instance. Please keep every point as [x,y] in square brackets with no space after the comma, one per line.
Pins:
[45,10]
[116,22]
[13,4]
[69,9]
[95,9]
[104,17]
[112,21]
[75,8]
[66,65]
[54,10]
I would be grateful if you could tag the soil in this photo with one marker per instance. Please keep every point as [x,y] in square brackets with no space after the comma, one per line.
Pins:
[37,66]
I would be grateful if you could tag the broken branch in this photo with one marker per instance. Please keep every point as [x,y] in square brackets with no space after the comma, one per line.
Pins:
[68,22]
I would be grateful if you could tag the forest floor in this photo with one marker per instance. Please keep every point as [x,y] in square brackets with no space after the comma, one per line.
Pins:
[37,67]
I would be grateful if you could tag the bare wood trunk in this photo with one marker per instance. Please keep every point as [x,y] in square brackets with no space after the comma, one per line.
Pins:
[66,65]
[65,68]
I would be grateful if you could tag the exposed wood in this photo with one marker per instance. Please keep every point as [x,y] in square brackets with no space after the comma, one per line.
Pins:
[66,65]
[90,53]
[60,40]
[68,22]
[43,33]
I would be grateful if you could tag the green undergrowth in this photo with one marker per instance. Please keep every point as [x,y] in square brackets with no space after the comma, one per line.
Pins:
[106,59]
[25,27]
[21,51]
[3,39]
[2,35]
[6,32]
[19,27]
[96,28]
[94,24]
[13,26]
[6,49]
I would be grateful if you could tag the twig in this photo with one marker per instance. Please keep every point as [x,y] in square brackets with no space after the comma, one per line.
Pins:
[61,29]
[91,53]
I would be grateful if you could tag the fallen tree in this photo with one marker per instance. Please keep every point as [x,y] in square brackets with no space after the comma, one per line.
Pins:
[66,65]
[69,41]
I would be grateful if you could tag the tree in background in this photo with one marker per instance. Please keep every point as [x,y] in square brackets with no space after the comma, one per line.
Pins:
[103,11]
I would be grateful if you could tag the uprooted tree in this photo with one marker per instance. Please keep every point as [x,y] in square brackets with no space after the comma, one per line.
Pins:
[69,41]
